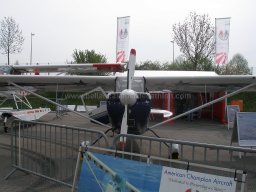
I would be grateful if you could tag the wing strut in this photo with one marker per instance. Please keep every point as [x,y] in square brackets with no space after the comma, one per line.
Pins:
[97,89]
[57,104]
[204,105]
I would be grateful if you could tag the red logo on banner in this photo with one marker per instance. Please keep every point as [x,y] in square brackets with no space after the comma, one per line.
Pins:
[120,56]
[221,58]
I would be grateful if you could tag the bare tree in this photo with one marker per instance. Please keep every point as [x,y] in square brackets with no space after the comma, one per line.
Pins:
[11,38]
[195,37]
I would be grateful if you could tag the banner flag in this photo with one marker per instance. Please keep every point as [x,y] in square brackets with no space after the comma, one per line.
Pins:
[222,31]
[122,39]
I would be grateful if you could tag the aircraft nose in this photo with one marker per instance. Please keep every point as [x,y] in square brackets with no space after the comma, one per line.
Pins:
[128,97]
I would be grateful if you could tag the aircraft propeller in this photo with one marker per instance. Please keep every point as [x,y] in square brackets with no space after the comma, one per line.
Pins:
[128,97]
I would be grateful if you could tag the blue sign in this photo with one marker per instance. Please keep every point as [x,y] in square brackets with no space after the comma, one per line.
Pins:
[246,127]
[145,177]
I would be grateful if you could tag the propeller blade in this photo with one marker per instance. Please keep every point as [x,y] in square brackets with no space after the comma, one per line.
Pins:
[131,68]
[130,75]
[124,125]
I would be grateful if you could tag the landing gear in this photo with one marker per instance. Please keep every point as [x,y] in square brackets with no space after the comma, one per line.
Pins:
[131,146]
[6,129]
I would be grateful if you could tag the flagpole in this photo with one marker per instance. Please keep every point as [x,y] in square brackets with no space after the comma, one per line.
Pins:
[116,36]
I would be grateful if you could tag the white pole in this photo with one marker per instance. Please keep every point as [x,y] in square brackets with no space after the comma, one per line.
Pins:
[243,182]
[76,169]
[19,148]
[31,48]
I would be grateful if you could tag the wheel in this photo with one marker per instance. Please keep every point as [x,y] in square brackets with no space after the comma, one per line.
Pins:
[131,146]
[6,129]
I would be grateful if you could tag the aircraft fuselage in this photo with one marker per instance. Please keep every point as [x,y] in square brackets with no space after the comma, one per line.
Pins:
[138,113]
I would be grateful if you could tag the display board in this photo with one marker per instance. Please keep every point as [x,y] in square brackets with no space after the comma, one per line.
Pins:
[146,177]
[231,113]
[244,131]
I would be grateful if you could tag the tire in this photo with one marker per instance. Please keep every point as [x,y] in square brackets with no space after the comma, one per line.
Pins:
[131,146]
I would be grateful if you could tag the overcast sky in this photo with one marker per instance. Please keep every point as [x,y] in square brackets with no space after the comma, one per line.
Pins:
[60,26]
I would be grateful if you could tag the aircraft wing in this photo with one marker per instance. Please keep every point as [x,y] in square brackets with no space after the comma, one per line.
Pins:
[108,83]
[199,84]
[60,83]
[71,68]
[191,81]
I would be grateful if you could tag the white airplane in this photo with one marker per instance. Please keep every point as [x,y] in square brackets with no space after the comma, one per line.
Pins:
[129,103]
[19,96]
[61,68]
[28,113]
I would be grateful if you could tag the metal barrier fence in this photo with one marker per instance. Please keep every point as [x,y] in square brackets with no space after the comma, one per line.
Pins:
[210,154]
[48,150]
[236,158]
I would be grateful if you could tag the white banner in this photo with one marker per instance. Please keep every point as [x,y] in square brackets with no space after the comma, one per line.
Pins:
[179,180]
[222,30]
[122,40]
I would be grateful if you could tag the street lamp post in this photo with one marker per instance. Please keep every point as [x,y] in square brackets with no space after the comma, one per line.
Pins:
[172,51]
[32,34]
